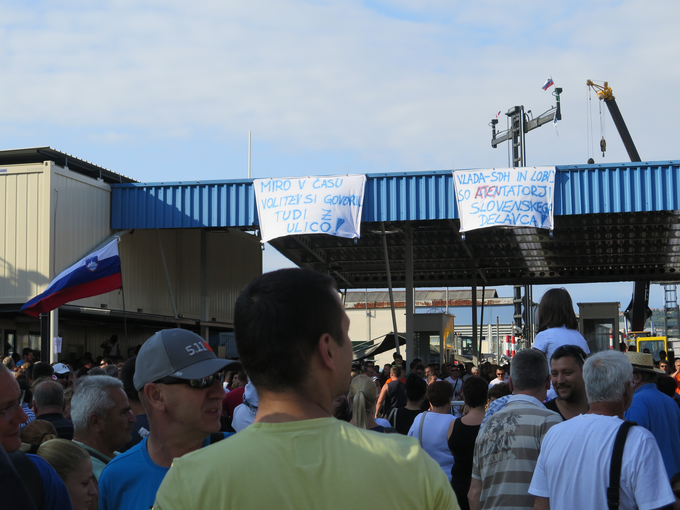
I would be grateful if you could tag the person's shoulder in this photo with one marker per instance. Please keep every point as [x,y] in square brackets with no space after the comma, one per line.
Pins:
[121,461]
[47,473]
[40,463]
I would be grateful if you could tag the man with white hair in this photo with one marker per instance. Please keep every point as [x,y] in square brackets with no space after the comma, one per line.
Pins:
[573,468]
[102,419]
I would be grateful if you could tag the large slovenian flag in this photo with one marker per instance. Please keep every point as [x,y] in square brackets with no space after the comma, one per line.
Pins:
[95,274]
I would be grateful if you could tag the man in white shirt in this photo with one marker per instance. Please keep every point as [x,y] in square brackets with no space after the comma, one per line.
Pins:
[500,377]
[573,467]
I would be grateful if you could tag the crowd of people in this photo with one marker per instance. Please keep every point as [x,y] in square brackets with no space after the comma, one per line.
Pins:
[297,423]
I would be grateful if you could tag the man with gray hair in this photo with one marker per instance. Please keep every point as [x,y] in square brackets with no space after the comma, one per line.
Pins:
[573,469]
[48,402]
[507,447]
[102,419]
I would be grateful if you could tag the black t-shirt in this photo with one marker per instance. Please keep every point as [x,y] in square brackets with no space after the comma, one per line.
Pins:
[552,405]
[405,419]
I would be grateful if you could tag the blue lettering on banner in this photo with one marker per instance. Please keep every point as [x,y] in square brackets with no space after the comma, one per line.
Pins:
[330,205]
[506,197]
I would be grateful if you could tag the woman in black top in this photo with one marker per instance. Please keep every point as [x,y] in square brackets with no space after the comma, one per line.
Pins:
[461,437]
[402,418]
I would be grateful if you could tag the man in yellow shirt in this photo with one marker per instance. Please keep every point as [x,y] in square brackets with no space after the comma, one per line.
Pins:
[296,455]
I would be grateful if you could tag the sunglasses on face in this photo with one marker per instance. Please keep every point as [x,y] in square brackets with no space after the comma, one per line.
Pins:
[200,384]
[62,376]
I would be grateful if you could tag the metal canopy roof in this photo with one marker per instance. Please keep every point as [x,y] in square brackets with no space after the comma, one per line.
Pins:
[612,223]
[41,154]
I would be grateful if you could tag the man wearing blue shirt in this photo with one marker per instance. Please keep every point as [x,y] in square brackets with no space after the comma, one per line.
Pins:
[655,411]
[176,375]
[54,495]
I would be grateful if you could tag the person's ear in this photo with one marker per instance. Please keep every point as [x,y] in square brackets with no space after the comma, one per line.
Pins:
[95,422]
[510,385]
[153,394]
[547,383]
[629,390]
[327,349]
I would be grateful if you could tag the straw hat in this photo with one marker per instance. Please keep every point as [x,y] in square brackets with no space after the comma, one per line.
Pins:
[643,362]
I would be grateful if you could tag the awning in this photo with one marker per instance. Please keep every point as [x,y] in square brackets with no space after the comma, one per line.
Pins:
[387,344]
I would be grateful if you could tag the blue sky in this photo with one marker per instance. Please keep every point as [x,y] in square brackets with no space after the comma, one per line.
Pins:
[168,90]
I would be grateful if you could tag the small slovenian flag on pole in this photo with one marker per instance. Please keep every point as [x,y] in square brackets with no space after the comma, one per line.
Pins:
[95,274]
[548,83]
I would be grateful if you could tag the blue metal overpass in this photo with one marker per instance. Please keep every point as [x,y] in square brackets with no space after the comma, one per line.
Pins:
[613,222]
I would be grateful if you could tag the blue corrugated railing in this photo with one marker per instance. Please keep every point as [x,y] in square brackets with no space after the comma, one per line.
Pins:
[579,189]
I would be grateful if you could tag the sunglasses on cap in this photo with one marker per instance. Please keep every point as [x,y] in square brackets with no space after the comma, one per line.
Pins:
[200,384]
[575,350]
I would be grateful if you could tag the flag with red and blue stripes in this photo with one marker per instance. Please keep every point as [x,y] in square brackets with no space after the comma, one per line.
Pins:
[548,83]
[97,273]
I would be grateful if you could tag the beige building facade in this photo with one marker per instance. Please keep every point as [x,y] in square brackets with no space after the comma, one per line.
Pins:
[51,216]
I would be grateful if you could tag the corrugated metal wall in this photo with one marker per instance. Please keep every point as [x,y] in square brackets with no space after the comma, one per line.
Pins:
[24,248]
[630,187]
[81,216]
[234,259]
[184,205]
[579,189]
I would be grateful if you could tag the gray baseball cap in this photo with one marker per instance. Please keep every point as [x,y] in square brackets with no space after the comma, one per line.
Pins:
[176,353]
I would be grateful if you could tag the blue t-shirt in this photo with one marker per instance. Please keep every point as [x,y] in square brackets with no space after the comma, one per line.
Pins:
[56,494]
[131,479]
[659,414]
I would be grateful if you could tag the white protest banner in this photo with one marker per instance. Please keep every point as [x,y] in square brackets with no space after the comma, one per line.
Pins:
[507,197]
[310,205]
[57,344]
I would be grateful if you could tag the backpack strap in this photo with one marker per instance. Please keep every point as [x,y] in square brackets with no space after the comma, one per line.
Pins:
[392,418]
[420,429]
[30,476]
[615,469]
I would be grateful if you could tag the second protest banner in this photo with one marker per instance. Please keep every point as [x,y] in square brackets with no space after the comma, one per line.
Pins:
[310,205]
[505,197]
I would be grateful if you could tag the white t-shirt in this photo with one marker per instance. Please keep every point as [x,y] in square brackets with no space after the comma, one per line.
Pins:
[434,438]
[498,381]
[573,466]
[457,385]
[549,340]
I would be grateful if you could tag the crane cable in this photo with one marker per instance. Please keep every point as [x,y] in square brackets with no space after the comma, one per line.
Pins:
[603,142]
[589,125]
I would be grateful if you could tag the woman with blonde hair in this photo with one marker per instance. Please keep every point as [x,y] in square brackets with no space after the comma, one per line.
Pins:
[363,396]
[73,465]
[38,432]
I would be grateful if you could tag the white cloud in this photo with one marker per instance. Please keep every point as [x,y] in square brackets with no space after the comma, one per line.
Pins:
[417,93]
